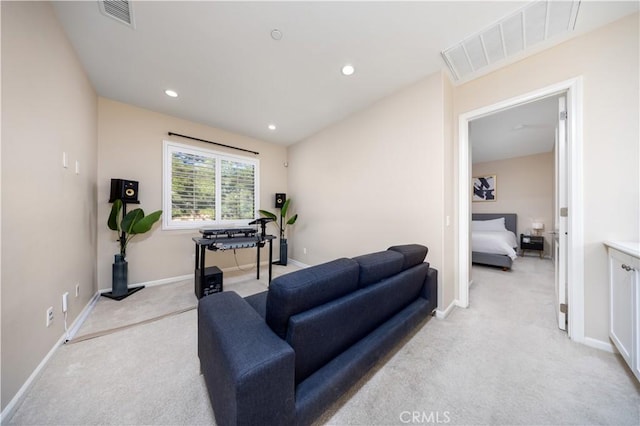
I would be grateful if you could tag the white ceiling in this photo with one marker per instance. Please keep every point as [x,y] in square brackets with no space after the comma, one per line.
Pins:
[229,73]
[526,129]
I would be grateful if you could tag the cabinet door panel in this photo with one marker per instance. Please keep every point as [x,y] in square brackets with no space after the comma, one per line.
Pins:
[635,366]
[621,298]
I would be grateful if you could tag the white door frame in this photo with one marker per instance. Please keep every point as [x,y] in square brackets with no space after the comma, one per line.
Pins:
[575,296]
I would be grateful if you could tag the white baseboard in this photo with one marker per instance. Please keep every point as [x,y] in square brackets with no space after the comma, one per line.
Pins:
[599,344]
[297,263]
[179,278]
[155,282]
[443,314]
[9,410]
[80,319]
[17,399]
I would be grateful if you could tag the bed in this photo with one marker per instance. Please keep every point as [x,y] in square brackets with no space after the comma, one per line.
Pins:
[491,245]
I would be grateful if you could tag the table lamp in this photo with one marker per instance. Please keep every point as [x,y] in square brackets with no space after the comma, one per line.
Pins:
[537,228]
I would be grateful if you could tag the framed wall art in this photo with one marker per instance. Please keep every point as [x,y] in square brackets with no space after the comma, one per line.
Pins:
[484,188]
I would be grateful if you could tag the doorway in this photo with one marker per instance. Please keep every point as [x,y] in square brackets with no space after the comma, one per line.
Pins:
[575,288]
[517,149]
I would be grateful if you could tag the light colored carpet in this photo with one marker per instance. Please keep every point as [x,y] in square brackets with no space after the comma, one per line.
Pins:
[502,361]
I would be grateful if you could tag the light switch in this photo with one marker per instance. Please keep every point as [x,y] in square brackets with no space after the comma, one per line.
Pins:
[65,160]
[77,167]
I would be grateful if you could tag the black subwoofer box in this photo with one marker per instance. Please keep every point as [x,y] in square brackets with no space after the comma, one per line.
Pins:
[212,281]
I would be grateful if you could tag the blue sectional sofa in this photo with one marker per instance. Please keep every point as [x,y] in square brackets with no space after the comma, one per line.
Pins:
[282,357]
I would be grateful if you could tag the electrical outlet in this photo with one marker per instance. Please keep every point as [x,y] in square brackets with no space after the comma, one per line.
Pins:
[49,316]
[65,302]
[77,289]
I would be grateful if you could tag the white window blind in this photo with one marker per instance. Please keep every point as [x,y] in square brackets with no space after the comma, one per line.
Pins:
[206,188]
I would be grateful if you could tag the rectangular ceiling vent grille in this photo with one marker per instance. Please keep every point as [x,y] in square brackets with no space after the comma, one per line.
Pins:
[120,10]
[514,34]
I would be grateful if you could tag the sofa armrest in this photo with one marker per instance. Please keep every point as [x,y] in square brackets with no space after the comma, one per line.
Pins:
[248,369]
[430,289]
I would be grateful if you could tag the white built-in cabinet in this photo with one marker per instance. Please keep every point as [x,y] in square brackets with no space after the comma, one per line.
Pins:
[624,301]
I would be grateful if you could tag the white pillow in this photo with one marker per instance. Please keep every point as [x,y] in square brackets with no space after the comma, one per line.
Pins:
[488,225]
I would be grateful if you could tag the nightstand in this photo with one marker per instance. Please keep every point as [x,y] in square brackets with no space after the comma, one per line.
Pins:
[532,242]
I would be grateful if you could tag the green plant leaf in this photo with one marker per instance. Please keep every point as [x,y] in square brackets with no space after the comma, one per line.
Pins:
[292,219]
[268,214]
[112,223]
[145,223]
[285,207]
[130,219]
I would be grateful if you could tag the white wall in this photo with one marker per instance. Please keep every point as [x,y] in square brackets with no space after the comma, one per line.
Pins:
[48,212]
[374,180]
[607,59]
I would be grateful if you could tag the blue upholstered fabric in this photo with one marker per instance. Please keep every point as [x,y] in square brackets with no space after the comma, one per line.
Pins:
[336,330]
[430,289]
[258,302]
[413,254]
[248,370]
[320,390]
[378,266]
[319,334]
[307,288]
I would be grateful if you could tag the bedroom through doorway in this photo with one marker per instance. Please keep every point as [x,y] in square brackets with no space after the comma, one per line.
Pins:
[518,167]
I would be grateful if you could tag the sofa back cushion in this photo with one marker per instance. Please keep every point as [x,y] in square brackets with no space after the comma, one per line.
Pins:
[320,334]
[375,267]
[414,254]
[307,288]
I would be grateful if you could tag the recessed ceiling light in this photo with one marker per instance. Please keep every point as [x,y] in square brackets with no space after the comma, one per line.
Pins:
[171,93]
[348,69]
[271,126]
[276,34]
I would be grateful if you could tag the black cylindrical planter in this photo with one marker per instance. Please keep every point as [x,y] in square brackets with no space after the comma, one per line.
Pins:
[283,252]
[120,276]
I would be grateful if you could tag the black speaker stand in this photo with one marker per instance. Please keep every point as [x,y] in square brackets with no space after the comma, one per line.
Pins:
[129,292]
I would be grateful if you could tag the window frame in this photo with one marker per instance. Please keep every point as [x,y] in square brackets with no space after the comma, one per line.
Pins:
[169,147]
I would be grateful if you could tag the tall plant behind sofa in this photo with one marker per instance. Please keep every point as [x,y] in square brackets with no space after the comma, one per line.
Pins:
[127,226]
[282,226]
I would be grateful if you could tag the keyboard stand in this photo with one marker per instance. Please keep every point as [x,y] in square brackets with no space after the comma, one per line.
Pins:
[202,244]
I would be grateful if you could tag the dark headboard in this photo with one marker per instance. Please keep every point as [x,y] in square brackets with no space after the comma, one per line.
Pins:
[510,219]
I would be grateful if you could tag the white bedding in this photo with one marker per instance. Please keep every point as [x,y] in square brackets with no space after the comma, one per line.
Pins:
[494,242]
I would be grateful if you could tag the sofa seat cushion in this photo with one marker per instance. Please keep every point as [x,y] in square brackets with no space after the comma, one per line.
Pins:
[375,267]
[320,334]
[307,288]
[413,254]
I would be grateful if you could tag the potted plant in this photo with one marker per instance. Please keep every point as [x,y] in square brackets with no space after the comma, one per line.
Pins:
[127,225]
[283,224]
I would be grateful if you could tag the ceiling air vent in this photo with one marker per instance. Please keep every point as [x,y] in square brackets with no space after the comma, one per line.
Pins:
[120,10]
[514,34]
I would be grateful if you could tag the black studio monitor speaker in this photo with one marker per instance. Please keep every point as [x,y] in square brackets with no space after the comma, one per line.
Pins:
[280,199]
[126,190]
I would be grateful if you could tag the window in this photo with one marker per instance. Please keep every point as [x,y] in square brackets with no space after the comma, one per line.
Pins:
[205,188]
